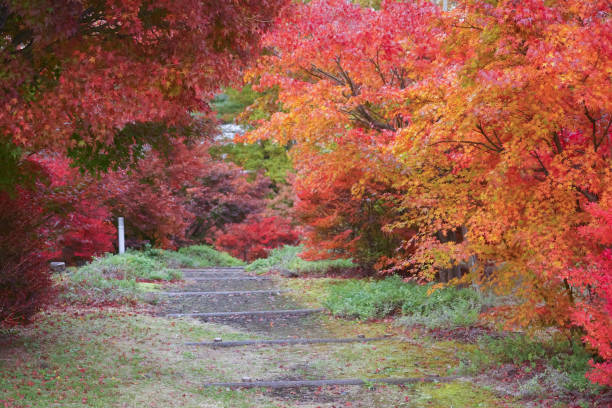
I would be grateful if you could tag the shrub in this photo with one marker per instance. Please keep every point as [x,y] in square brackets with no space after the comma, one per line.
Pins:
[287,257]
[25,287]
[25,281]
[114,278]
[131,265]
[255,238]
[201,256]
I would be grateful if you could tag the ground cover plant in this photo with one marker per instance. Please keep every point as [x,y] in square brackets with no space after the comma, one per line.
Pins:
[194,256]
[121,279]
[535,365]
[288,258]
[420,304]
[114,279]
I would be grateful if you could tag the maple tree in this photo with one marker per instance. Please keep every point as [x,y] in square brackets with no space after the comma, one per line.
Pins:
[83,223]
[182,196]
[92,67]
[510,136]
[255,237]
[492,119]
[105,83]
[223,195]
[53,213]
[340,71]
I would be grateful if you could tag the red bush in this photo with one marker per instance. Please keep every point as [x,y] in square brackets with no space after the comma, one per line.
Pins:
[255,238]
[25,283]
[85,226]
[592,280]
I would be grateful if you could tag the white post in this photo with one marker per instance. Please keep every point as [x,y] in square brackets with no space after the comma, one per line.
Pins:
[121,231]
[445,5]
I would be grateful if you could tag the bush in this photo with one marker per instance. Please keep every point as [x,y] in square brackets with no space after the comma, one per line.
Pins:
[566,365]
[25,287]
[288,258]
[114,278]
[25,281]
[376,299]
[196,256]
[255,238]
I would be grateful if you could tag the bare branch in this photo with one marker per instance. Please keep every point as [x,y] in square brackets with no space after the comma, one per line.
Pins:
[496,147]
[469,142]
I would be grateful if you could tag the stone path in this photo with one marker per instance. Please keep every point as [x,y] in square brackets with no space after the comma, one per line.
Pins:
[255,305]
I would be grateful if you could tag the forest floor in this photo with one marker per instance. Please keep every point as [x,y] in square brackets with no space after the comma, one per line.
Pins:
[137,356]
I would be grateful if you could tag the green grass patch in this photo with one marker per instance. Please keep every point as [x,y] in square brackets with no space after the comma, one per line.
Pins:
[131,265]
[195,256]
[112,358]
[368,299]
[118,279]
[114,279]
[566,365]
[288,258]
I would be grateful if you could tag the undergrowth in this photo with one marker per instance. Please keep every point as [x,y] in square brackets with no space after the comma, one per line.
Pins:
[562,366]
[368,299]
[288,258]
[195,256]
[114,278]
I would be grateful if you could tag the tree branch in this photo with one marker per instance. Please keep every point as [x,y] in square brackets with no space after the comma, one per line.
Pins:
[469,142]
[496,147]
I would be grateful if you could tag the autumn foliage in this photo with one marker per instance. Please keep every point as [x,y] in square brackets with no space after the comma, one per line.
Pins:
[106,86]
[92,67]
[405,123]
[494,118]
[254,238]
[25,283]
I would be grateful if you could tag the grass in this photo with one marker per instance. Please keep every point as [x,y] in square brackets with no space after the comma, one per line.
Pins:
[108,358]
[369,299]
[562,367]
[547,365]
[288,258]
[118,279]
[195,256]
[117,358]
[114,279]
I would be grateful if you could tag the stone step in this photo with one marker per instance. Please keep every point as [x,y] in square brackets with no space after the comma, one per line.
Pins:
[206,273]
[246,277]
[321,383]
[237,269]
[249,313]
[226,292]
[238,343]
[193,276]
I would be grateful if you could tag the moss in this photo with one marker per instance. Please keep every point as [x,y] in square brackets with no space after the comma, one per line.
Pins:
[456,394]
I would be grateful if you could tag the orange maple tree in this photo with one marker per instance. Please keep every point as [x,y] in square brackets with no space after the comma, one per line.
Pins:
[494,118]
[341,72]
[510,136]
